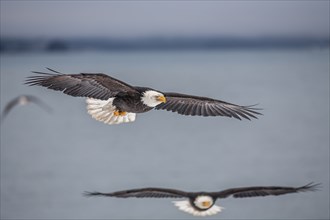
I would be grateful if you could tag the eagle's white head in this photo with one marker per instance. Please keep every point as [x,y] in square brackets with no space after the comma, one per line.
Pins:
[152,98]
[206,203]
[203,202]
[23,100]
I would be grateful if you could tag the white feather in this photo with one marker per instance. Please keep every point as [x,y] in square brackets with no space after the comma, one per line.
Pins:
[187,207]
[201,200]
[103,110]
[149,98]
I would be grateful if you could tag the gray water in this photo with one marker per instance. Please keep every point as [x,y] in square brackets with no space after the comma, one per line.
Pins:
[49,160]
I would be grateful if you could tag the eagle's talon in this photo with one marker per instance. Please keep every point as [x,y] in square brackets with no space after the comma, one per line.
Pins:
[119,113]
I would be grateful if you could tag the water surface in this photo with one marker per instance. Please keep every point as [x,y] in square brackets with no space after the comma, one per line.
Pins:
[49,160]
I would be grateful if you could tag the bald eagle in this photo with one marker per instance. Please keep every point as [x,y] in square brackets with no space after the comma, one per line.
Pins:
[203,203]
[23,100]
[113,102]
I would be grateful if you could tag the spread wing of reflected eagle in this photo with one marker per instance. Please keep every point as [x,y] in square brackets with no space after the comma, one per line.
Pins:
[203,203]
[113,102]
[23,100]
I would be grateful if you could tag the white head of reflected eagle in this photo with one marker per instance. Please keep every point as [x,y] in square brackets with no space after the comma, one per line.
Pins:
[113,102]
[203,203]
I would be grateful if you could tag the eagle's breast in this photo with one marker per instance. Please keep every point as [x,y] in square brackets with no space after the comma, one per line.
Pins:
[130,102]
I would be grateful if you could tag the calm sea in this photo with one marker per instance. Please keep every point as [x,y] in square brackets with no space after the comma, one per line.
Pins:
[49,159]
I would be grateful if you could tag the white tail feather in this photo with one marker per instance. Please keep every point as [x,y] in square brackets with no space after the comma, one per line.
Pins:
[103,110]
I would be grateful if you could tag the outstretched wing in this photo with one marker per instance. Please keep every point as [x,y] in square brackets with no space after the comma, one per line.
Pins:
[264,191]
[195,105]
[23,99]
[143,193]
[92,85]
[39,102]
[9,107]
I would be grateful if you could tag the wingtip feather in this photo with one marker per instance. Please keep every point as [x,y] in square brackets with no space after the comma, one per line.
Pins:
[90,194]
[53,70]
[310,187]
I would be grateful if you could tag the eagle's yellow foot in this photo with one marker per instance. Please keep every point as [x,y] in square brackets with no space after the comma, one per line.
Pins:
[119,113]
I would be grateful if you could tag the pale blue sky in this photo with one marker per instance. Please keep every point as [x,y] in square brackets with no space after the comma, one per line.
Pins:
[165,18]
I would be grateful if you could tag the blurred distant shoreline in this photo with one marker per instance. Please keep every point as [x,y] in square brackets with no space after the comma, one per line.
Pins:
[8,45]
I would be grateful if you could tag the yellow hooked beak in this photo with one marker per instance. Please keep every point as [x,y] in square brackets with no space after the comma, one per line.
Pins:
[206,204]
[161,98]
